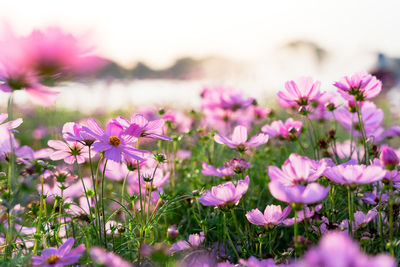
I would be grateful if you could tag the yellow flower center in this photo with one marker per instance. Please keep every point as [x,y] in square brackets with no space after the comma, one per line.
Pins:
[115,141]
[52,259]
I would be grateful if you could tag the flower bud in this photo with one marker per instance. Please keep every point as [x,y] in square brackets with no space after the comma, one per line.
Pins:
[388,158]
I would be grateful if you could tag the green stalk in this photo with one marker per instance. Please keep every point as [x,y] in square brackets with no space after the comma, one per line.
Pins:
[350,208]
[102,204]
[391,214]
[229,238]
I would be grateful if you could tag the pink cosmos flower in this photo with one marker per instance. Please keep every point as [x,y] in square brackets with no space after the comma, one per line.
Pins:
[273,215]
[259,113]
[194,241]
[323,106]
[393,175]
[225,194]
[360,86]
[139,126]
[239,141]
[392,132]
[372,118]
[68,151]
[300,194]
[16,74]
[74,132]
[360,219]
[238,165]
[106,258]
[209,170]
[300,93]
[289,130]
[225,98]
[55,55]
[113,141]
[297,170]
[354,174]
[10,125]
[306,212]
[373,197]
[178,120]
[343,150]
[60,257]
[336,249]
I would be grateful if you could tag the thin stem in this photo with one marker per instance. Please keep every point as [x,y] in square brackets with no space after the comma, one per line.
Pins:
[363,133]
[349,202]
[391,214]
[102,204]
[123,192]
[229,237]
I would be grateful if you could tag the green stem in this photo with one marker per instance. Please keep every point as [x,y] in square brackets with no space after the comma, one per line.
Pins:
[229,237]
[391,214]
[349,203]
[296,230]
[102,204]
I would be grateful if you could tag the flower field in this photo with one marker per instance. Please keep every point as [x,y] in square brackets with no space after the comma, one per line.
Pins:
[313,181]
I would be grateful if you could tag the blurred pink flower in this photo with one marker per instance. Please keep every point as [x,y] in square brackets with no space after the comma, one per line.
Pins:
[209,170]
[239,141]
[106,258]
[194,241]
[336,249]
[360,86]
[372,118]
[225,194]
[289,130]
[273,215]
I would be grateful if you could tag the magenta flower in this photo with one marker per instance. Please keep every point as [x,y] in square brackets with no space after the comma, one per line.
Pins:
[55,55]
[300,194]
[139,126]
[306,212]
[336,249]
[74,132]
[371,116]
[239,141]
[297,170]
[113,142]
[354,174]
[300,93]
[224,98]
[225,194]
[194,241]
[106,258]
[389,158]
[273,215]
[209,170]
[68,151]
[17,74]
[374,197]
[238,165]
[10,125]
[360,219]
[289,130]
[63,256]
[360,86]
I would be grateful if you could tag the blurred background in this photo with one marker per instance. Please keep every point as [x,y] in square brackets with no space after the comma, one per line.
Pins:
[164,52]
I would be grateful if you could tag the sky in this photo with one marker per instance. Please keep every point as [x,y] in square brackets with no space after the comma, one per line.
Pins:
[158,32]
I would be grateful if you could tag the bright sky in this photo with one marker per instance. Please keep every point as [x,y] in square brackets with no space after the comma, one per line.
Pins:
[159,31]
